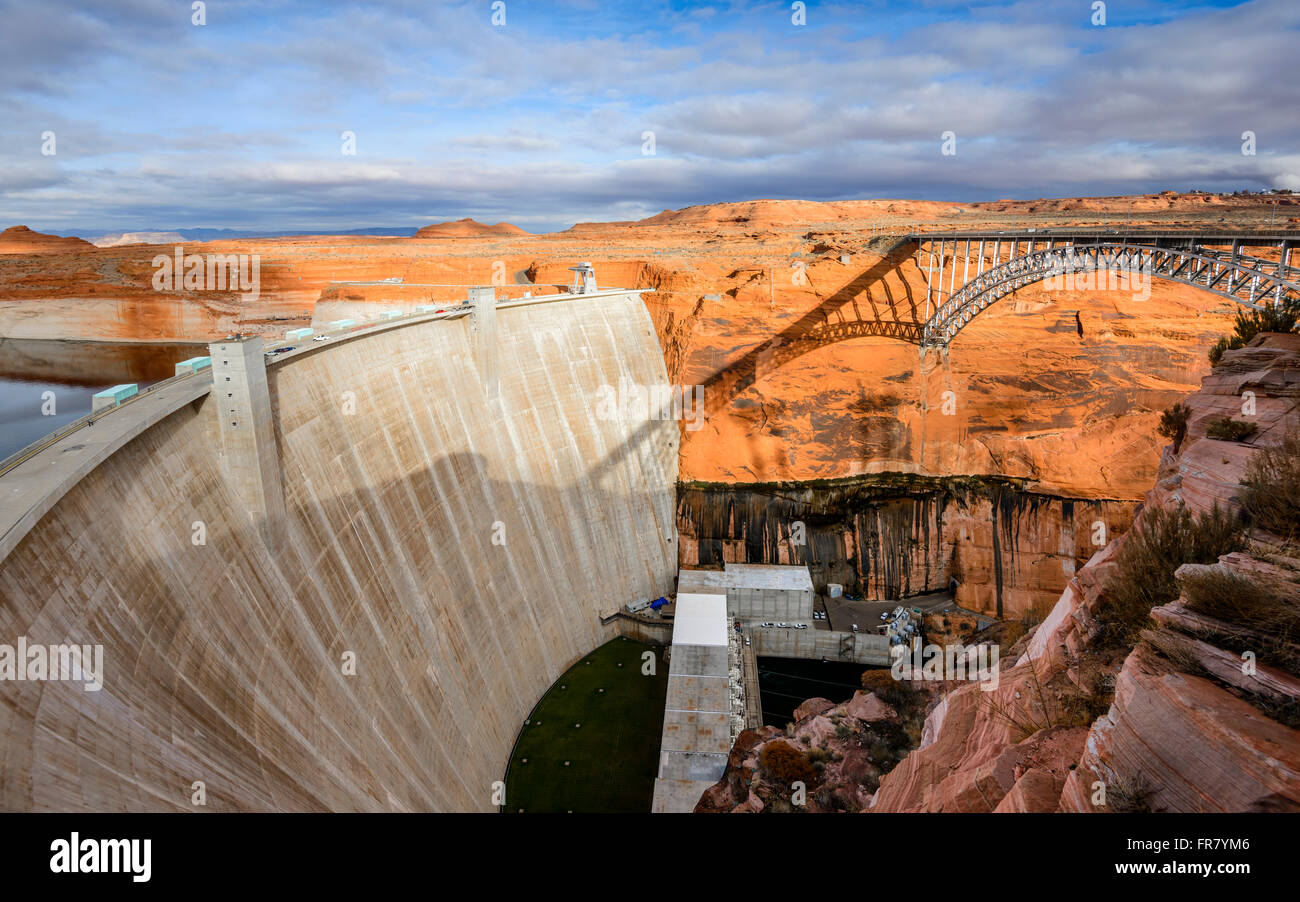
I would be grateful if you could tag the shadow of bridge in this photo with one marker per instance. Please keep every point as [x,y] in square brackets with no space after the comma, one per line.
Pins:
[839,317]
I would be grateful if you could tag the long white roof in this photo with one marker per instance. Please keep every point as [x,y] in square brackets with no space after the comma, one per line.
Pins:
[700,620]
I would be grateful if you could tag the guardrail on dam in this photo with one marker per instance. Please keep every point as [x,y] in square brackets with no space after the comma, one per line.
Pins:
[350,601]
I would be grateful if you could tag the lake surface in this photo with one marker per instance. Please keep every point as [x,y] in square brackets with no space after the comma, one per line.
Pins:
[47,384]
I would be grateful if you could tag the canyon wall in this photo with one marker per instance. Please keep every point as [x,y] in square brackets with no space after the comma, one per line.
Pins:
[456,547]
[1177,721]
[1060,388]
[1005,548]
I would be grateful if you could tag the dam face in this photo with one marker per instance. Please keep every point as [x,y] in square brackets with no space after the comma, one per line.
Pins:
[442,556]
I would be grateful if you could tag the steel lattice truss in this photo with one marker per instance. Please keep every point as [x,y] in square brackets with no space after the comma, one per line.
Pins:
[860,328]
[1245,280]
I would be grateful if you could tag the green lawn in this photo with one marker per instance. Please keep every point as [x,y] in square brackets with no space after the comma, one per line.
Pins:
[605,721]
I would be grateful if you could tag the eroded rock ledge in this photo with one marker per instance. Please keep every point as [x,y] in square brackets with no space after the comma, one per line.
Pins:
[1174,723]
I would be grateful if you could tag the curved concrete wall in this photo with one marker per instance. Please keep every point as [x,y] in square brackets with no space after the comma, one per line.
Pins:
[223,661]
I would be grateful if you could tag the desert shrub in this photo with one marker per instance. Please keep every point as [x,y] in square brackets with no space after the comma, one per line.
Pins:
[1249,323]
[1272,619]
[1173,424]
[1230,430]
[1083,704]
[1272,494]
[1129,795]
[785,764]
[1144,574]
[1224,344]
[818,755]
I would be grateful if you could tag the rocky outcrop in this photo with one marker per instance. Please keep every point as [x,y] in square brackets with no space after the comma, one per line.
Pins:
[837,751]
[1077,723]
[22,240]
[1190,726]
[1173,741]
[468,228]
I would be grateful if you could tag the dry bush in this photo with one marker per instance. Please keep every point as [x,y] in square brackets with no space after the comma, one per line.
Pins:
[1229,430]
[818,755]
[1129,795]
[895,693]
[1272,495]
[1173,424]
[785,764]
[1144,572]
[1271,617]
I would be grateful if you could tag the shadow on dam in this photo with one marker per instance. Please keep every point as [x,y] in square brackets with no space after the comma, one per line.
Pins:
[224,661]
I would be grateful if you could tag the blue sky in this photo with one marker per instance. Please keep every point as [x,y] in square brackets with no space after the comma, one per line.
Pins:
[162,124]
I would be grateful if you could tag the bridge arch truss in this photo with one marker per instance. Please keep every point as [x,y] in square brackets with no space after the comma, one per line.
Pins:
[1247,281]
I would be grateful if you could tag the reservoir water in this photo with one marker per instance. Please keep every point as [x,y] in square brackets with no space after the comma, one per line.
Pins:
[46,384]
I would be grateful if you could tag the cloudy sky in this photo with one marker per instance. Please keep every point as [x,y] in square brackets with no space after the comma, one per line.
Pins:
[159,123]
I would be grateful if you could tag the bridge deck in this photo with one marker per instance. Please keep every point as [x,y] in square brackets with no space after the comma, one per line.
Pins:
[1243,237]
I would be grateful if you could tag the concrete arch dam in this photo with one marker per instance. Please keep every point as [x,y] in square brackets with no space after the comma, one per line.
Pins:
[434,498]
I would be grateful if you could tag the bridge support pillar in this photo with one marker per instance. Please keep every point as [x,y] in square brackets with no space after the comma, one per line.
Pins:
[248,447]
[487,352]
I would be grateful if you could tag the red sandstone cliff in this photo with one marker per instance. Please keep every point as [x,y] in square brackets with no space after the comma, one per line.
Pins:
[1185,729]
[1198,714]
[469,228]
[22,240]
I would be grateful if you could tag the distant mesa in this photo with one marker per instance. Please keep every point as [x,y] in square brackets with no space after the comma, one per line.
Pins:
[22,240]
[468,228]
[119,239]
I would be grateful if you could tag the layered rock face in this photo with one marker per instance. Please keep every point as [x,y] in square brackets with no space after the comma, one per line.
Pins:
[1185,720]
[456,545]
[1002,549]
[1190,727]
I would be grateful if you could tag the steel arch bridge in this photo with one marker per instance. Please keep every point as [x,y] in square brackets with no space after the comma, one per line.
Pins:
[1197,260]
[1209,260]
[1228,278]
